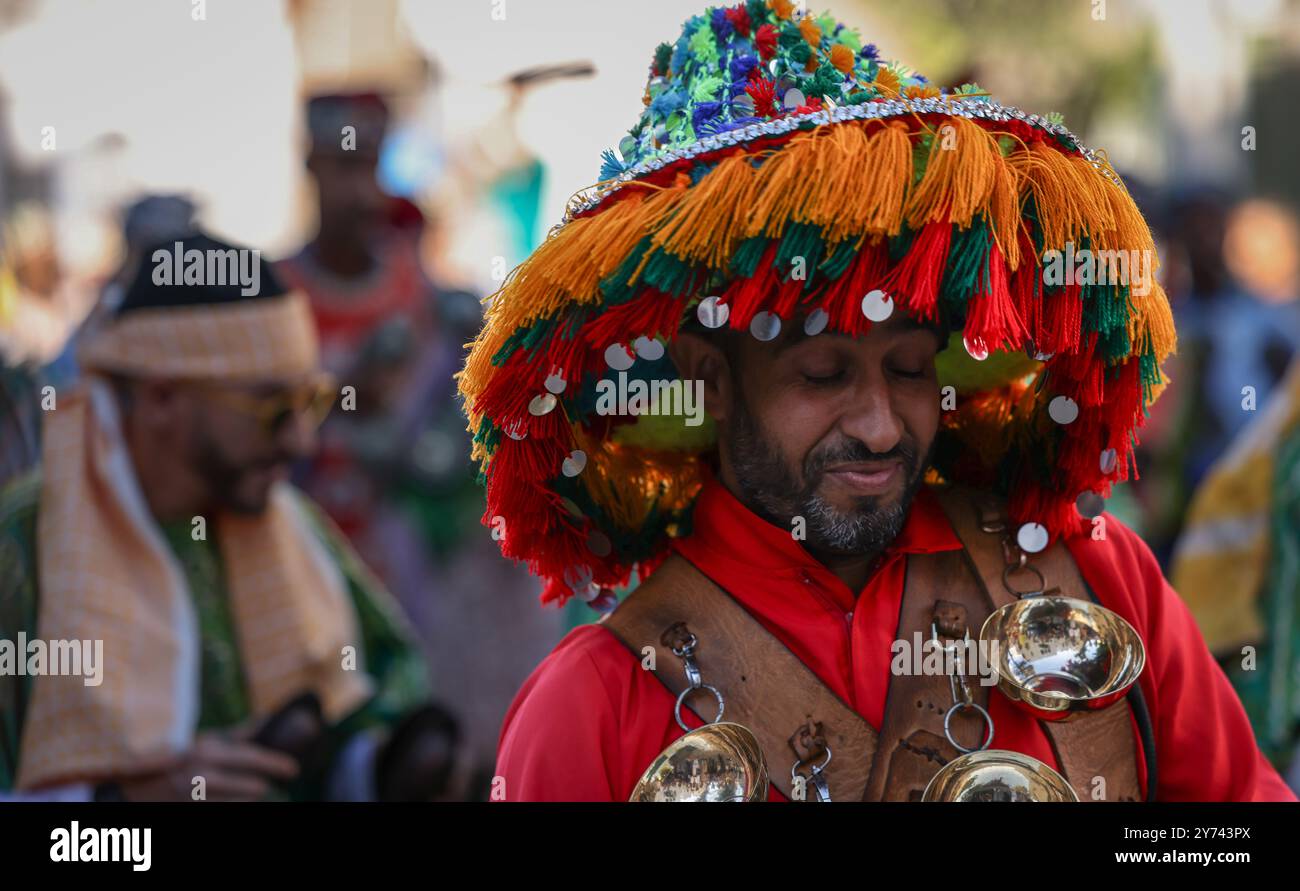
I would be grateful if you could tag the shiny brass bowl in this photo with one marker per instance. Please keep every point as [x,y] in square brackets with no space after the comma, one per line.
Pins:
[1059,658]
[716,762]
[997,775]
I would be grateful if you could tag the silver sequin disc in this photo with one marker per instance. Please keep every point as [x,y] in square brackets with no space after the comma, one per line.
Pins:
[765,326]
[1109,458]
[712,312]
[618,358]
[1063,410]
[542,404]
[1090,504]
[648,348]
[877,306]
[816,322]
[1032,537]
[573,465]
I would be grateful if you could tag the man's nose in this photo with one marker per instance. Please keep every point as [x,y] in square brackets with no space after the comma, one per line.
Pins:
[872,418]
[297,435]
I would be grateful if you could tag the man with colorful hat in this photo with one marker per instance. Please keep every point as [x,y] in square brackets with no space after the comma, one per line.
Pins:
[924,331]
[176,621]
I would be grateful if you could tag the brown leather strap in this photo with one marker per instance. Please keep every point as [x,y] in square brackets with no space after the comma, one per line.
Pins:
[767,688]
[913,745]
[1095,745]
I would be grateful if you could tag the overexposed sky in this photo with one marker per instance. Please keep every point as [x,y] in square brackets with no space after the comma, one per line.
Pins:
[212,107]
[204,106]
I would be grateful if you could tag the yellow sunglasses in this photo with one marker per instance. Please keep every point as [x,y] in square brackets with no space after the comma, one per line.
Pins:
[312,399]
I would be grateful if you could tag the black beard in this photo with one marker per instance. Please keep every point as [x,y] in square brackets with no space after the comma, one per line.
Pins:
[224,477]
[769,489]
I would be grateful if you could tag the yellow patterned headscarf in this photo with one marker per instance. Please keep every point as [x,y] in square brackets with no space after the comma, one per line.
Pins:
[107,574]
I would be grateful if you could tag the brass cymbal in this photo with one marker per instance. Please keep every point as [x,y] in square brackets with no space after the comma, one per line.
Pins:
[1059,658]
[997,775]
[716,762]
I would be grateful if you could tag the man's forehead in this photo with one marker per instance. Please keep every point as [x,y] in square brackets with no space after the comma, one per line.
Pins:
[267,386]
[793,333]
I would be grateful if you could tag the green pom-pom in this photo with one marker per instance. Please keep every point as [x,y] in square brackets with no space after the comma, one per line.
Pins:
[704,47]
[790,36]
[706,88]
[827,81]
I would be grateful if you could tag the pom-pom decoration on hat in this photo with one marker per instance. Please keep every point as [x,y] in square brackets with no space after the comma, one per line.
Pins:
[770,141]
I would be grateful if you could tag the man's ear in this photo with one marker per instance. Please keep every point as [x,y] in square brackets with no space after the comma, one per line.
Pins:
[699,358]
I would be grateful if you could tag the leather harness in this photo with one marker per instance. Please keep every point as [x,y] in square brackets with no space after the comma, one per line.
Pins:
[796,717]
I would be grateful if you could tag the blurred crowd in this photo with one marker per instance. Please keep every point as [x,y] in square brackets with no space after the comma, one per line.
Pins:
[389,466]
[1231,267]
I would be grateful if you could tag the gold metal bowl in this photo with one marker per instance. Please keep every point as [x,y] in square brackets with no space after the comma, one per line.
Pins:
[1059,658]
[997,775]
[716,762]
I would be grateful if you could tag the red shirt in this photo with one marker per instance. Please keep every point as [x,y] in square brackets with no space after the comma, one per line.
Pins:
[589,720]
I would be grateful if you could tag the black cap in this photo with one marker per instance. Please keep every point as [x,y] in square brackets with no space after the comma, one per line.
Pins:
[218,273]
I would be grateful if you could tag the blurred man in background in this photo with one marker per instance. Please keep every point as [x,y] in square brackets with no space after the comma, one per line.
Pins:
[390,337]
[390,461]
[392,469]
[235,636]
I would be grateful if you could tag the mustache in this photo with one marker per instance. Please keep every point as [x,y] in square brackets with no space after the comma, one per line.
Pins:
[853,450]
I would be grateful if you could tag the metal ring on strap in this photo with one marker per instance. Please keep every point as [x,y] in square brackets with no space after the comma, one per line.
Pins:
[1025,567]
[988,722]
[681,698]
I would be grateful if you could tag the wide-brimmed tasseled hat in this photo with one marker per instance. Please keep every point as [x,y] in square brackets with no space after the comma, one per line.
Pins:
[781,173]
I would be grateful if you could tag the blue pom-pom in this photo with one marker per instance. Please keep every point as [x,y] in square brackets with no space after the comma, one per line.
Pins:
[610,165]
[666,103]
[721,24]
[705,111]
[681,53]
[741,66]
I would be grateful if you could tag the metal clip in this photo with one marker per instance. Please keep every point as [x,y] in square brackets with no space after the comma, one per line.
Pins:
[683,643]
[820,788]
[961,695]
